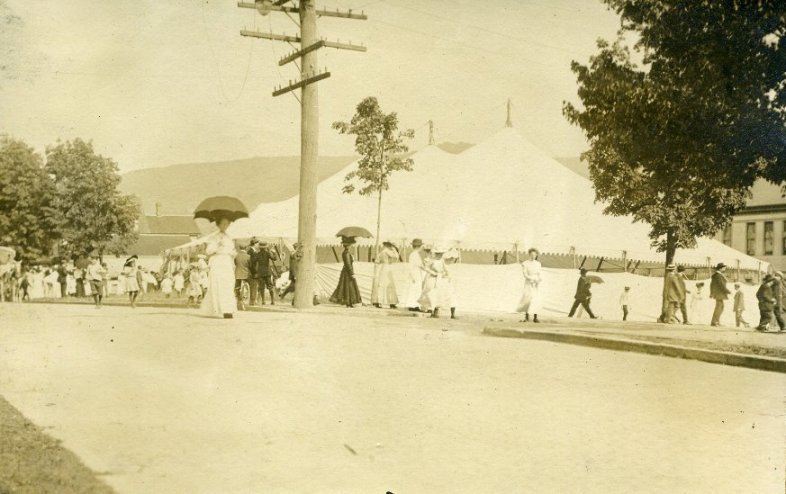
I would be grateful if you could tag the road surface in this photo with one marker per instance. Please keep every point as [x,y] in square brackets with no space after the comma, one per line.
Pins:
[162,400]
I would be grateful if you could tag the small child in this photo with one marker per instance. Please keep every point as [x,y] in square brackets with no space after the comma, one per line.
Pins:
[166,286]
[179,283]
[194,286]
[625,303]
[739,306]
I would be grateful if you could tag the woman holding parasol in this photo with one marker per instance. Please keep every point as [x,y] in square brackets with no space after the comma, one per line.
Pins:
[220,249]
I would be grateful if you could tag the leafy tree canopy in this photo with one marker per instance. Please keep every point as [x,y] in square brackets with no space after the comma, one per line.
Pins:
[91,213]
[677,139]
[26,193]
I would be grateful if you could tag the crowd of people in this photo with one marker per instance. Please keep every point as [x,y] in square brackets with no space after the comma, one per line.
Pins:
[218,280]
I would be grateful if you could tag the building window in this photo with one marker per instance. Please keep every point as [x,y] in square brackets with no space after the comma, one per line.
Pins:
[769,238]
[750,239]
[784,238]
[727,235]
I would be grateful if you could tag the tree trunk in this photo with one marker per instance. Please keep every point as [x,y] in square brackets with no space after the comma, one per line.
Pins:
[379,222]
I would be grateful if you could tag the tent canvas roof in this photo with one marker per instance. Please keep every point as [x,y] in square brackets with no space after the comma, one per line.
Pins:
[502,191]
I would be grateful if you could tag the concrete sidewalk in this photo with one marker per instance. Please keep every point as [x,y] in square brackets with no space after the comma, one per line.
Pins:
[731,346]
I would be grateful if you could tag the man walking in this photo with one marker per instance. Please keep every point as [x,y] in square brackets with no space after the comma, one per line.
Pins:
[719,291]
[95,276]
[673,293]
[739,307]
[583,295]
[766,298]
[681,277]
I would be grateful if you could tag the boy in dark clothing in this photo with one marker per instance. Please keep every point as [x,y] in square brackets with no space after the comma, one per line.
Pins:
[766,298]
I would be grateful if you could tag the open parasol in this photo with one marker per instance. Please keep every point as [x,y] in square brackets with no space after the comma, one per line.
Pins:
[354,231]
[214,208]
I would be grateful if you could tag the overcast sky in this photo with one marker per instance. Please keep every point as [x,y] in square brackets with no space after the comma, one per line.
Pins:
[162,82]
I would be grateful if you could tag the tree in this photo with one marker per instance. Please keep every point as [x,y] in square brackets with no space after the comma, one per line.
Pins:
[380,147]
[678,141]
[26,193]
[91,214]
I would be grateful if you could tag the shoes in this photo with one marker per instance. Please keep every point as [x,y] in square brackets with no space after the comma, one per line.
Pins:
[535,319]
[593,317]
[228,316]
[715,324]
[761,328]
[393,306]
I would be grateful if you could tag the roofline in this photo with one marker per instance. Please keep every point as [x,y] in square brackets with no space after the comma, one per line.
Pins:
[767,208]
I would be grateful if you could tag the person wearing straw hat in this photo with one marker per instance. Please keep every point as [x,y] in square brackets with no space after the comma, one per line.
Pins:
[384,292]
[130,270]
[435,285]
[451,257]
[718,291]
[415,271]
[347,292]
[673,294]
[530,298]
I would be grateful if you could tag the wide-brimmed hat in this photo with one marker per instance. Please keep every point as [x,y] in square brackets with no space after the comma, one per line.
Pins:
[416,242]
[348,240]
[254,241]
[439,249]
[719,266]
[388,243]
[533,249]
[767,278]
[680,269]
[671,267]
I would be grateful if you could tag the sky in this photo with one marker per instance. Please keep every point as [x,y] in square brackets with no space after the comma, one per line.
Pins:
[155,83]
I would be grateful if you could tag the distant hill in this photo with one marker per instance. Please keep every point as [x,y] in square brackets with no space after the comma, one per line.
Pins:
[179,188]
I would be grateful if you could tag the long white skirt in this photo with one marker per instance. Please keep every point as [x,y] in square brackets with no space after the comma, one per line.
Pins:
[415,289]
[531,300]
[384,292]
[220,297]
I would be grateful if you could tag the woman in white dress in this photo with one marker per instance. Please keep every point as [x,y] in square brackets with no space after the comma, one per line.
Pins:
[220,297]
[531,298]
[435,288]
[385,285]
[131,282]
[415,268]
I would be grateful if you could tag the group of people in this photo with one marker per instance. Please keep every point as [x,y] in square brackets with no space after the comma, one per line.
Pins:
[431,288]
[259,266]
[771,297]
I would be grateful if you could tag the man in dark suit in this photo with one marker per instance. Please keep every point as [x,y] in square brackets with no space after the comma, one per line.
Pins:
[766,298]
[264,271]
[719,291]
[583,295]
[779,292]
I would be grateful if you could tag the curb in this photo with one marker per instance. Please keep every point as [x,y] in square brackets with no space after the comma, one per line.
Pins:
[711,356]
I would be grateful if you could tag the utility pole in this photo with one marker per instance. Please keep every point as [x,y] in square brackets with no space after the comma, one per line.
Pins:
[309,120]
[509,122]
[431,140]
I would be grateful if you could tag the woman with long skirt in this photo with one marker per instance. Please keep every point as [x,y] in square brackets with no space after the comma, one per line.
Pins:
[531,297]
[220,297]
[347,292]
[435,287]
[385,285]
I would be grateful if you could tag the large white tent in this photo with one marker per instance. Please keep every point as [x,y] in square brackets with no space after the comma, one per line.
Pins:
[503,191]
